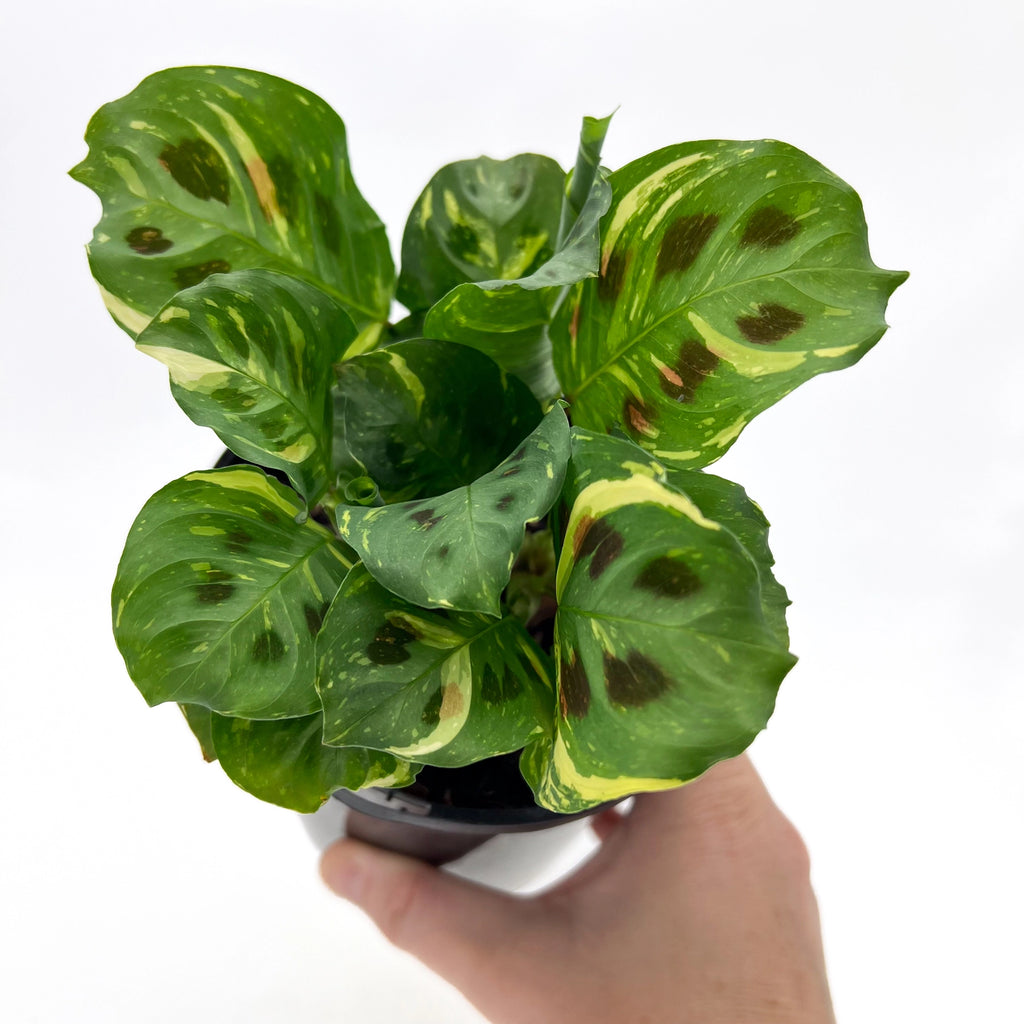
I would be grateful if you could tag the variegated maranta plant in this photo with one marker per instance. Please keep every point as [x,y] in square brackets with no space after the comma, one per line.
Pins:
[485,527]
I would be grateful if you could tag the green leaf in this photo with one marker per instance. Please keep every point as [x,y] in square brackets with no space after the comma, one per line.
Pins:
[442,688]
[457,550]
[220,593]
[478,220]
[508,319]
[250,355]
[665,662]
[731,272]
[200,721]
[424,417]
[727,504]
[202,170]
[600,457]
[285,762]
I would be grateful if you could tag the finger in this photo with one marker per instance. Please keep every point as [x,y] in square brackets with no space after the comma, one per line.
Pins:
[453,926]
[605,823]
[729,792]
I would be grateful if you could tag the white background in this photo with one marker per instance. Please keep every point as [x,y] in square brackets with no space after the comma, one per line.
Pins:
[138,885]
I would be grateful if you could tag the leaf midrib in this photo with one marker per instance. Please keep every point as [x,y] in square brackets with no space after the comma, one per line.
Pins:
[680,310]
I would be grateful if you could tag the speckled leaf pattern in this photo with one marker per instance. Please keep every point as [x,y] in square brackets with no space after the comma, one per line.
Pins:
[203,170]
[665,662]
[220,593]
[457,550]
[250,354]
[285,762]
[480,220]
[508,319]
[731,272]
[424,417]
[438,687]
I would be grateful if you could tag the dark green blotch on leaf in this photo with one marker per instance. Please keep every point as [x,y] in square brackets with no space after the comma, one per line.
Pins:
[693,364]
[188,277]
[613,274]
[238,541]
[600,540]
[214,593]
[668,577]
[330,223]
[505,501]
[148,241]
[683,242]
[432,709]
[314,617]
[635,681]
[573,688]
[286,182]
[769,228]
[426,518]
[388,645]
[772,323]
[198,168]
[268,647]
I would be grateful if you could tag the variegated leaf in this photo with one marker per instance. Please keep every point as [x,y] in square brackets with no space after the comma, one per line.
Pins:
[220,593]
[665,661]
[731,272]
[480,220]
[250,354]
[727,504]
[438,687]
[508,319]
[457,550]
[424,417]
[285,762]
[202,170]
[601,457]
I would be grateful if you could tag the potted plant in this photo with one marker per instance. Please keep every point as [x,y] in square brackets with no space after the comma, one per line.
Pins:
[478,545]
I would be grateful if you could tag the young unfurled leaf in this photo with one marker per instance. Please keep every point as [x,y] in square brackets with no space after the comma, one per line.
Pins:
[457,550]
[203,170]
[220,593]
[665,661]
[441,688]
[424,417]
[480,220]
[250,355]
[285,762]
[508,319]
[731,272]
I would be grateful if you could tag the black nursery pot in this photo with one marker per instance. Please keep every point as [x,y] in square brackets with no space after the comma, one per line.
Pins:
[447,813]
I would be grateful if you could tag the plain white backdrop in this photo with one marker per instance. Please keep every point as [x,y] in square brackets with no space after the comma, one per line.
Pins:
[138,885]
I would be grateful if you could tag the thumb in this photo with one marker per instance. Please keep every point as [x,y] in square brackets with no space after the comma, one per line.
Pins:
[453,926]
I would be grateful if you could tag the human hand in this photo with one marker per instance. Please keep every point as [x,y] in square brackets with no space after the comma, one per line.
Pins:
[696,909]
